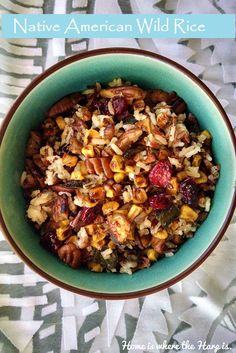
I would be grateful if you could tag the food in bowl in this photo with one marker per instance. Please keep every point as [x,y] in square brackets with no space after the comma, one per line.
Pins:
[116,177]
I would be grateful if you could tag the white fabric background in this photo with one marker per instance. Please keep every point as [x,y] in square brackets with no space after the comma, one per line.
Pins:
[36,316]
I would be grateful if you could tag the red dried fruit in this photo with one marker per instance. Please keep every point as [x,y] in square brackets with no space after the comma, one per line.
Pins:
[85,216]
[119,104]
[101,105]
[50,242]
[161,173]
[189,191]
[159,201]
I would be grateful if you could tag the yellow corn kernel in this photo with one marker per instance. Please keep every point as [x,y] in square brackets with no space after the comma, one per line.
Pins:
[197,160]
[188,214]
[95,267]
[139,196]
[134,212]
[202,179]
[82,167]
[117,163]
[122,211]
[129,169]
[98,244]
[89,134]
[77,175]
[61,232]
[161,234]
[140,181]
[181,175]
[109,207]
[97,193]
[90,229]
[207,134]
[110,192]
[88,151]
[69,161]
[99,236]
[60,122]
[173,186]
[152,254]
[119,177]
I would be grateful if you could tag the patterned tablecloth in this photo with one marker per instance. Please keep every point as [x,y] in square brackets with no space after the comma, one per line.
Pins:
[38,317]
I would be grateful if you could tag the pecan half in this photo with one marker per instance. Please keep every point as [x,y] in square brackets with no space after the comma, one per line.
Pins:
[70,254]
[129,92]
[158,95]
[33,145]
[60,209]
[128,138]
[64,104]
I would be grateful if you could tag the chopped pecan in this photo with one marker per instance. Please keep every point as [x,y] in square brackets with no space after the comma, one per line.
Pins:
[129,92]
[157,96]
[159,245]
[128,138]
[99,166]
[70,254]
[34,143]
[109,131]
[178,104]
[64,104]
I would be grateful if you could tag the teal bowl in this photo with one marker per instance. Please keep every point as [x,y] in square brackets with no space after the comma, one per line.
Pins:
[74,74]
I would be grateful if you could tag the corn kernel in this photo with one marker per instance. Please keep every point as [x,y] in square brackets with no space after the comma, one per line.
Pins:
[173,186]
[88,151]
[139,196]
[140,181]
[117,163]
[181,175]
[60,122]
[134,212]
[82,167]
[76,175]
[202,179]
[110,192]
[129,169]
[161,234]
[94,267]
[109,207]
[98,244]
[152,254]
[61,232]
[163,154]
[122,211]
[207,134]
[97,193]
[188,214]
[119,177]
[197,160]
[69,161]
[90,229]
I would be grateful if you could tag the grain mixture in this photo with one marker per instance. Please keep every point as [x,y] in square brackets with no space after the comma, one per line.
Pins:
[117,177]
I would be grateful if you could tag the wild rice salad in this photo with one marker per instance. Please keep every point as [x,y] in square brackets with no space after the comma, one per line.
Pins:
[116,177]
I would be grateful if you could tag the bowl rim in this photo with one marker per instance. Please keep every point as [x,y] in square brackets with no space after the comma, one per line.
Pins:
[218,236]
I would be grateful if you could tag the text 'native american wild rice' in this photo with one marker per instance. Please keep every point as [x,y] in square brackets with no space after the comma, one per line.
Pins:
[117,177]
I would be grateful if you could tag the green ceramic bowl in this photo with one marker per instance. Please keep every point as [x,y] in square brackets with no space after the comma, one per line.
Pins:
[149,71]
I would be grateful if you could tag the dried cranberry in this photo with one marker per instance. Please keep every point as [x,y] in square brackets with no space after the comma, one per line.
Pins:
[120,105]
[159,201]
[102,106]
[84,217]
[50,242]
[161,173]
[189,191]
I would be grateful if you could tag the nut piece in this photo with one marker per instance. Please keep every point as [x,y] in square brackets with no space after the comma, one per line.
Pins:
[64,104]
[120,227]
[158,96]
[129,92]
[128,138]
[70,254]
